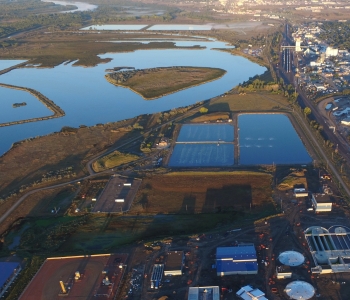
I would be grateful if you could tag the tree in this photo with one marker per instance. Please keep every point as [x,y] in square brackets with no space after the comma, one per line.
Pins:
[307,111]
[203,110]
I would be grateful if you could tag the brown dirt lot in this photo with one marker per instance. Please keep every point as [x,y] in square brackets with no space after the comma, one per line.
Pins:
[203,192]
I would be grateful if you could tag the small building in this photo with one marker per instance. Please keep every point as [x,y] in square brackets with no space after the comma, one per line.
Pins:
[249,293]
[174,263]
[8,272]
[157,274]
[300,192]
[283,272]
[321,202]
[239,260]
[205,292]
[345,121]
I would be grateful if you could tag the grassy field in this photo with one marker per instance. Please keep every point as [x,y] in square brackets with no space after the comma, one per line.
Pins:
[211,117]
[256,101]
[154,83]
[292,180]
[112,160]
[203,192]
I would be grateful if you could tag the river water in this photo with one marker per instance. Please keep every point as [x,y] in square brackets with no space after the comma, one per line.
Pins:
[88,99]
[81,6]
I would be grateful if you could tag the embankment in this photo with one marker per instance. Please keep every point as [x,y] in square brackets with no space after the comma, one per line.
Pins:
[57,111]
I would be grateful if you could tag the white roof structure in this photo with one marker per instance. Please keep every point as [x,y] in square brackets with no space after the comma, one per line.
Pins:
[291,258]
[300,290]
[249,293]
[205,292]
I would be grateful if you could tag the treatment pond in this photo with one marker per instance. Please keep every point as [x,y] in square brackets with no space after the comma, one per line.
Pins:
[263,139]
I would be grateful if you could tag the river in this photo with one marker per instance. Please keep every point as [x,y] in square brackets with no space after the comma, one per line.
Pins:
[88,99]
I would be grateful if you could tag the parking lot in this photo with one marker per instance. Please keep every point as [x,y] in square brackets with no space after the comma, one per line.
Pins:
[118,195]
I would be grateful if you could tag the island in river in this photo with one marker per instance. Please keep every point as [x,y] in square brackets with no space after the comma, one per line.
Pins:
[158,82]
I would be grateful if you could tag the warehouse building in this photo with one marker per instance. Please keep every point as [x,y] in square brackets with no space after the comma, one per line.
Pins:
[174,263]
[204,293]
[321,202]
[8,272]
[239,260]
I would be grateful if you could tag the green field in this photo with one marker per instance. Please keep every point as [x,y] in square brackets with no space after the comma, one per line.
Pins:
[112,160]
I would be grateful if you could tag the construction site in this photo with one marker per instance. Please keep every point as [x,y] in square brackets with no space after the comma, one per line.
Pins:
[73,277]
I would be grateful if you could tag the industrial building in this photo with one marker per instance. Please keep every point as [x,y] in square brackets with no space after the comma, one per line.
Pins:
[8,272]
[174,263]
[321,202]
[300,192]
[249,293]
[239,260]
[157,274]
[204,293]
[330,249]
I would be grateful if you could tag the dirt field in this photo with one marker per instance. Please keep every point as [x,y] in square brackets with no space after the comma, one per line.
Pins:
[195,192]
[45,285]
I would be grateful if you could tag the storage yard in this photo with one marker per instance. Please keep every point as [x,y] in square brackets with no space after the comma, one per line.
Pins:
[74,277]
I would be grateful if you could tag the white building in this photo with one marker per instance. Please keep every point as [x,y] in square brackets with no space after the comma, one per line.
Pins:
[249,293]
[331,52]
[321,202]
[345,121]
[300,192]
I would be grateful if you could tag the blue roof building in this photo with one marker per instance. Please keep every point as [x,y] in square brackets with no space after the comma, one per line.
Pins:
[239,260]
[8,271]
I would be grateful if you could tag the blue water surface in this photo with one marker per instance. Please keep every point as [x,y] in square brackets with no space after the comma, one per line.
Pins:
[206,133]
[202,155]
[268,139]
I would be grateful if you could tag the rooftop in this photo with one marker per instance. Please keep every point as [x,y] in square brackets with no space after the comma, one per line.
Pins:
[6,270]
[322,198]
[241,252]
[249,293]
[174,260]
[204,293]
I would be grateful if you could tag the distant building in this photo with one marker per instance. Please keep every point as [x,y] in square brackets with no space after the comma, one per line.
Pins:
[321,202]
[174,263]
[239,260]
[205,292]
[8,272]
[331,52]
[249,293]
